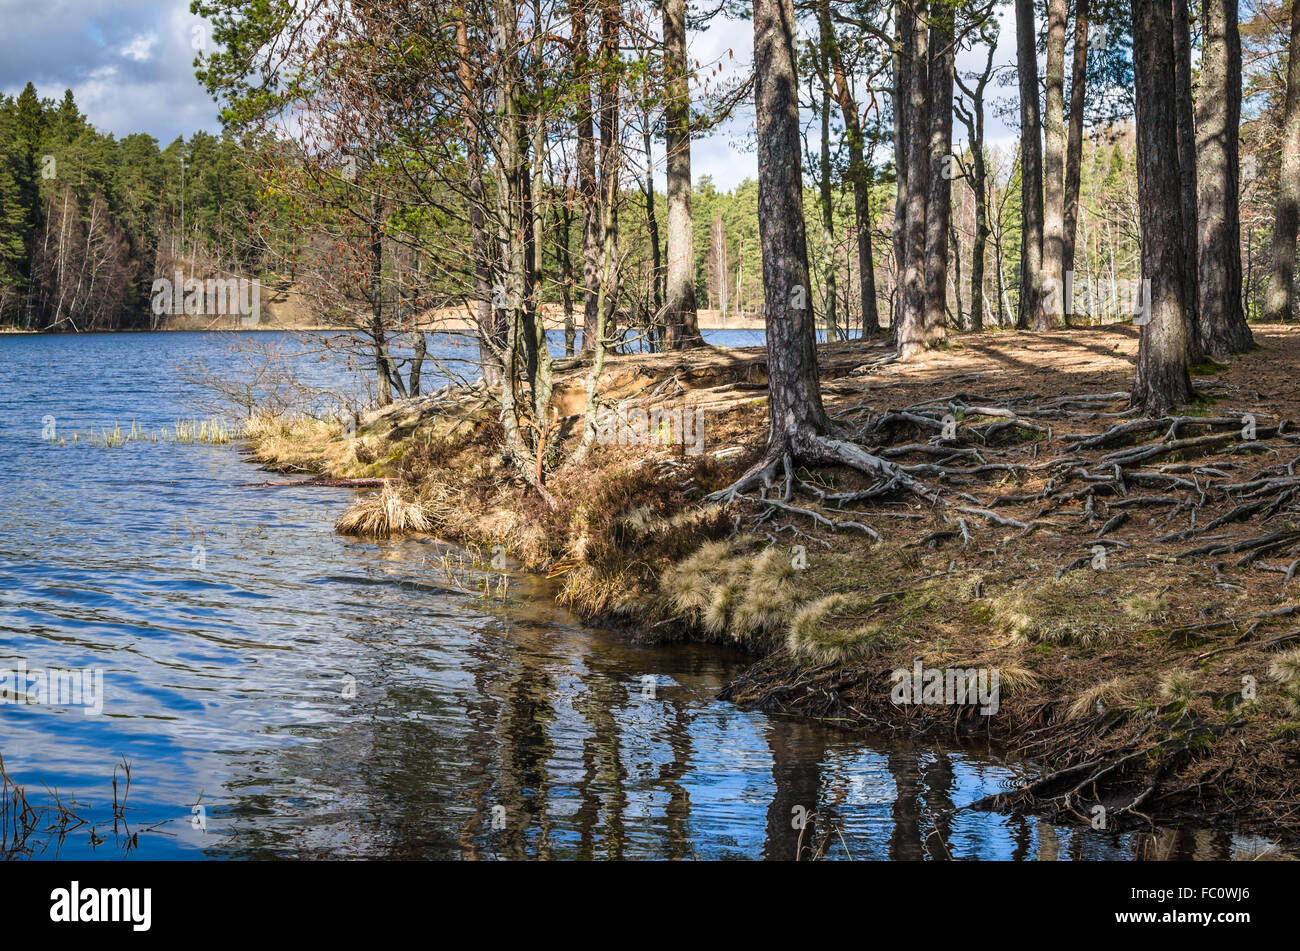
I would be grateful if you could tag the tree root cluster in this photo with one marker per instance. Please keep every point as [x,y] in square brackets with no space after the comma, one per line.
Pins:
[1034,464]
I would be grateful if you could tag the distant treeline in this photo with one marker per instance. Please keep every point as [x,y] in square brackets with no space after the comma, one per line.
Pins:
[87,221]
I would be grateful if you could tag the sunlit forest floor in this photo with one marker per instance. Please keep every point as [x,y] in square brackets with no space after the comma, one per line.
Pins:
[1131,581]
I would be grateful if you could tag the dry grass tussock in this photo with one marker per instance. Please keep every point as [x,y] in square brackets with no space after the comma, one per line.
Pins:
[733,595]
[1118,693]
[1285,669]
[383,514]
[830,630]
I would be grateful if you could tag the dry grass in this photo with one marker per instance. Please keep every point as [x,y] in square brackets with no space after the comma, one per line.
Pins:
[829,631]
[293,442]
[1285,669]
[1178,687]
[1109,695]
[770,598]
[1145,607]
[1015,680]
[383,514]
[723,591]
[1066,612]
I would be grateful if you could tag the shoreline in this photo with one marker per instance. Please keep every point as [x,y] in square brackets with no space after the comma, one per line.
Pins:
[1141,686]
[710,321]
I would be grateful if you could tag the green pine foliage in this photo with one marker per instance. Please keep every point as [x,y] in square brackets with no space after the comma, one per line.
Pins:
[77,204]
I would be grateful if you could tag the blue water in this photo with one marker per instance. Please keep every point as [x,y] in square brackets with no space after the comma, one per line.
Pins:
[229,624]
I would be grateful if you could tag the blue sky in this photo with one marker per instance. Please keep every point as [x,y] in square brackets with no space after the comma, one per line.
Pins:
[129,64]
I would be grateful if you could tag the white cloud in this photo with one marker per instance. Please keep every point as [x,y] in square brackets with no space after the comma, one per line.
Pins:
[139,48]
[129,63]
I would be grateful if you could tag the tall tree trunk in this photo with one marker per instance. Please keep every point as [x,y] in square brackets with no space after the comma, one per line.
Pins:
[901,90]
[586,161]
[536,174]
[528,332]
[827,208]
[564,258]
[859,174]
[938,205]
[973,119]
[1052,280]
[910,333]
[491,331]
[1187,166]
[1281,289]
[1031,167]
[794,394]
[682,324]
[1222,326]
[378,333]
[611,22]
[718,255]
[652,225]
[1162,381]
[1074,146]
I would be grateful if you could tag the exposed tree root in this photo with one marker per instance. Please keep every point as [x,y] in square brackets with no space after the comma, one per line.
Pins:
[974,448]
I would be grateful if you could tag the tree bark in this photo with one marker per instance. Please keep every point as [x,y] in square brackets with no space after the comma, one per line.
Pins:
[827,207]
[1280,305]
[586,162]
[378,333]
[652,226]
[910,333]
[901,90]
[859,175]
[1031,168]
[683,329]
[1074,146]
[794,403]
[1187,167]
[491,333]
[564,258]
[1222,326]
[1162,381]
[938,205]
[611,23]
[1052,280]
[973,119]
